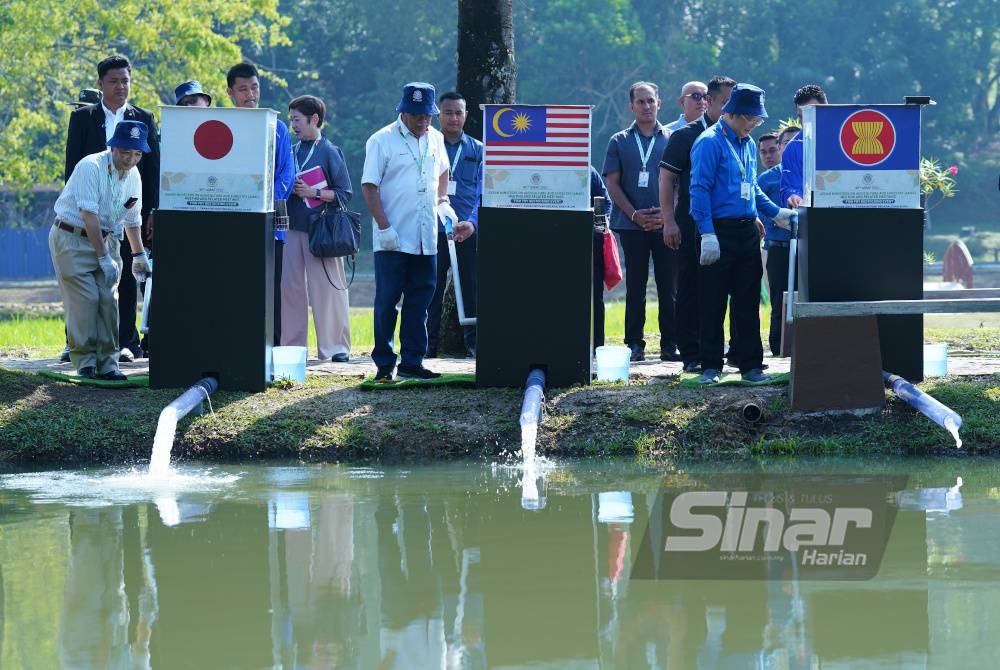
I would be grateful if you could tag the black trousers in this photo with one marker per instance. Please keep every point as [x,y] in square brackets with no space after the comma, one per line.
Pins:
[598,289]
[128,334]
[686,308]
[466,253]
[737,273]
[777,280]
[638,246]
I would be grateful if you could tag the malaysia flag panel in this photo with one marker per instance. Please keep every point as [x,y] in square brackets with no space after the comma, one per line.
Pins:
[537,136]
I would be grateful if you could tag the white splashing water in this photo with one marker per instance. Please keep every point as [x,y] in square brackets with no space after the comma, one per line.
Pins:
[952,427]
[163,443]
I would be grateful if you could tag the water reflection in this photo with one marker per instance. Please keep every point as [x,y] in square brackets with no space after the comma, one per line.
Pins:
[441,567]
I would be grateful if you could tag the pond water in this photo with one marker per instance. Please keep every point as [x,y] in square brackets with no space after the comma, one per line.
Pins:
[445,566]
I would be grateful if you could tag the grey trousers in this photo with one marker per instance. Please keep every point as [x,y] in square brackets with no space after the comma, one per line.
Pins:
[91,305]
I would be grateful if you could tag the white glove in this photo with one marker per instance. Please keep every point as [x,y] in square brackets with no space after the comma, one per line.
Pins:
[140,266]
[388,240]
[709,249]
[783,219]
[445,211]
[110,270]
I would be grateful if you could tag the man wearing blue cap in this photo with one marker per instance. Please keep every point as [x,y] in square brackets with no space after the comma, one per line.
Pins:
[190,94]
[102,197]
[90,128]
[405,185]
[725,198]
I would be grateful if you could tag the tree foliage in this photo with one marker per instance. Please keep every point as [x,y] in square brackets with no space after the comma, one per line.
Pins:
[49,51]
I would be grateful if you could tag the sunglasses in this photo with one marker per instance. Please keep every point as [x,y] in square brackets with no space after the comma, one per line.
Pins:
[697,97]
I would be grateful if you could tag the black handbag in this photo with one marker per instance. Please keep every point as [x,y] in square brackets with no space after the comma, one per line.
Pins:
[335,231]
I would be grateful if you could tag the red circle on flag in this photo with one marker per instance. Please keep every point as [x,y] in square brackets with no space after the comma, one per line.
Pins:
[213,140]
[867,137]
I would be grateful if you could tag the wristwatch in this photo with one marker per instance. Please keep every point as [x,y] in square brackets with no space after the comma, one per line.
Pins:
[318,196]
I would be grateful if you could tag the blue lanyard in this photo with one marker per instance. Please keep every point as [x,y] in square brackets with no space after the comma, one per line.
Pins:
[454,161]
[732,150]
[423,156]
[644,154]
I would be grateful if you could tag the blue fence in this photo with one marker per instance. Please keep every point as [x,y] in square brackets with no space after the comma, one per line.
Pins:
[24,253]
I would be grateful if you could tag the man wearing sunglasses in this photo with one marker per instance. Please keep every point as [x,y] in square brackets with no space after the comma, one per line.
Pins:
[694,102]
[725,199]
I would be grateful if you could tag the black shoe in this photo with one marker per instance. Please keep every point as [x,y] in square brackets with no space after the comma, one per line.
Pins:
[670,355]
[692,367]
[733,364]
[126,356]
[470,352]
[416,372]
[113,376]
[638,353]
[384,373]
[87,372]
[64,356]
[340,358]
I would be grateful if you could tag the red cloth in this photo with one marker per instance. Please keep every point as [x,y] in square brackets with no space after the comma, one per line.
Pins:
[612,263]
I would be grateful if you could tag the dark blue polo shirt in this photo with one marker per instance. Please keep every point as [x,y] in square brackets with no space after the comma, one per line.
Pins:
[468,175]
[623,157]
[716,177]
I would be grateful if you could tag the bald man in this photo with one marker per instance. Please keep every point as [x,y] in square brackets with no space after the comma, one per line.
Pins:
[693,102]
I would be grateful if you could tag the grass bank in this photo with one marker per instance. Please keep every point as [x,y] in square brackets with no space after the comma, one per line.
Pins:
[329,419]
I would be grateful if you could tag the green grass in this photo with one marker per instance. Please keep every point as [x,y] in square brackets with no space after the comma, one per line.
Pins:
[26,333]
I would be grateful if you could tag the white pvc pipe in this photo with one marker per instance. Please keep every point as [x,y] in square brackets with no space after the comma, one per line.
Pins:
[459,301]
[166,425]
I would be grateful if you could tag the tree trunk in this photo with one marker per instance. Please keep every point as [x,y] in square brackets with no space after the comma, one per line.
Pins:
[487,74]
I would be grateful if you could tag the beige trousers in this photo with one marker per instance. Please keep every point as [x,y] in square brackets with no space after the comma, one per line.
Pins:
[304,284]
[91,306]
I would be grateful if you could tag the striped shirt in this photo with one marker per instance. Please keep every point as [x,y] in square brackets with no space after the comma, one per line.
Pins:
[95,187]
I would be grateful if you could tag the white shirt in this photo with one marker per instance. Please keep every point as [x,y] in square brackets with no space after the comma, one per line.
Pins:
[95,187]
[111,120]
[406,170]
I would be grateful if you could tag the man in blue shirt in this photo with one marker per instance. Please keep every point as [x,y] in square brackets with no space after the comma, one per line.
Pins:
[465,188]
[775,237]
[791,157]
[243,88]
[632,180]
[725,198]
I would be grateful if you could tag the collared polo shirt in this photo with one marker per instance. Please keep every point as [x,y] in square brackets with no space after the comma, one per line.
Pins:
[94,186]
[716,177]
[466,160]
[406,170]
[791,169]
[677,160]
[770,183]
[624,158]
[678,124]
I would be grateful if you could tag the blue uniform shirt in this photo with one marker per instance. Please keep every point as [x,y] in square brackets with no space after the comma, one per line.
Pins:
[467,173]
[770,183]
[716,178]
[598,190]
[791,169]
[623,157]
[284,169]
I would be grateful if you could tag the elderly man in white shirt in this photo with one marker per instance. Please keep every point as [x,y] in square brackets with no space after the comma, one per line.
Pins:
[405,185]
[102,197]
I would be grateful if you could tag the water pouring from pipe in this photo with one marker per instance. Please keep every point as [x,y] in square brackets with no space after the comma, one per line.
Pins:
[934,410]
[531,410]
[166,425]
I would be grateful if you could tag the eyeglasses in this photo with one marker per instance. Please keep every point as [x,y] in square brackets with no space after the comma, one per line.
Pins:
[752,121]
[697,97]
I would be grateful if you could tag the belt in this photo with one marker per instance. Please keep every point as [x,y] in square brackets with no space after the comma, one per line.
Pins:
[76,230]
[733,222]
[775,243]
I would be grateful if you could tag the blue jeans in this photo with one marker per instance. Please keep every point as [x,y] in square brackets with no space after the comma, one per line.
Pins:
[413,278]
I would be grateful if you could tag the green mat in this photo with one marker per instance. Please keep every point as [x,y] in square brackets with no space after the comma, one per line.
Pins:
[688,380]
[467,379]
[134,381]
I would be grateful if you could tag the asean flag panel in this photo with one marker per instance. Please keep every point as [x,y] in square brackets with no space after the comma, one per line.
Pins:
[878,137]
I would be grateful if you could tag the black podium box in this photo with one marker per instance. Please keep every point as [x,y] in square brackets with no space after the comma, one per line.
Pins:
[534,306]
[868,254]
[211,311]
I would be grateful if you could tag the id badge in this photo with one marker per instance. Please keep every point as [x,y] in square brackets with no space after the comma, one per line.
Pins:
[745,190]
[643,179]
[452,186]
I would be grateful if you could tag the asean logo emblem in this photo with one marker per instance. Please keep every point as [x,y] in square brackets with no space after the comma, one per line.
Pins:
[867,137]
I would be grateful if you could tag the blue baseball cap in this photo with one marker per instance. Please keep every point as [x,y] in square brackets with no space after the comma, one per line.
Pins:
[192,87]
[418,98]
[746,99]
[130,135]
